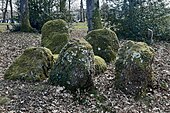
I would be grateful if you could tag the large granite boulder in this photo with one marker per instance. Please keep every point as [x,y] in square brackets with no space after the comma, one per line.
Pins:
[33,65]
[134,68]
[74,67]
[105,43]
[55,35]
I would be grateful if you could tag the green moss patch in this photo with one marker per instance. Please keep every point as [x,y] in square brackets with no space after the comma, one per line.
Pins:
[134,67]
[55,35]
[33,65]
[105,43]
[75,66]
[55,57]
[100,65]
[56,41]
[4,100]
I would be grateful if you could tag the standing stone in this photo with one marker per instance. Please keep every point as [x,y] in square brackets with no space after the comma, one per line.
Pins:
[55,35]
[33,65]
[74,67]
[105,43]
[134,68]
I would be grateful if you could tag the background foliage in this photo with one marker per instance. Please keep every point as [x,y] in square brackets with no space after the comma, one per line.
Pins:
[132,18]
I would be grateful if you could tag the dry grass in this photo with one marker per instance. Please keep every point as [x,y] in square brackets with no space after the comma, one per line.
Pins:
[3,27]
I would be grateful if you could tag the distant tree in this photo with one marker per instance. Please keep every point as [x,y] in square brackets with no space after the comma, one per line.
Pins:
[11,6]
[93,15]
[5,11]
[24,10]
[81,11]
[63,9]
[2,6]
[131,19]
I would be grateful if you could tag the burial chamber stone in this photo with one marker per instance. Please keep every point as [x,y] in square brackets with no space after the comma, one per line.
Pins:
[134,68]
[55,35]
[105,43]
[33,65]
[74,67]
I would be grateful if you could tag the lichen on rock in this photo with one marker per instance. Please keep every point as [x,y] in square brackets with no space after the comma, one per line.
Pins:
[134,68]
[105,43]
[75,66]
[33,65]
[100,65]
[55,35]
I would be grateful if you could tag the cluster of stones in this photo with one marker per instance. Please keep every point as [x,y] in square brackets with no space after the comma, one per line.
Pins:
[73,62]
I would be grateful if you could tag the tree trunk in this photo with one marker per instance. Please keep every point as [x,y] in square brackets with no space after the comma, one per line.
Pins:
[5,11]
[25,23]
[12,21]
[81,11]
[93,15]
[2,6]
[63,9]
[69,8]
[62,6]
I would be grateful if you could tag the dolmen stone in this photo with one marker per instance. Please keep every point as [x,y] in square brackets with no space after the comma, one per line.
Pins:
[55,35]
[105,43]
[134,68]
[33,65]
[74,67]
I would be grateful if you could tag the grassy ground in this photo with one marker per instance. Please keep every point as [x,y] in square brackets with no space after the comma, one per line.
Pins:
[3,27]
[80,25]
[79,30]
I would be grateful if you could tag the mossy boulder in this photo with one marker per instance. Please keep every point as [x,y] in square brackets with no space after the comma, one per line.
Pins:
[105,43]
[56,41]
[55,35]
[57,25]
[134,68]
[33,65]
[74,67]
[100,65]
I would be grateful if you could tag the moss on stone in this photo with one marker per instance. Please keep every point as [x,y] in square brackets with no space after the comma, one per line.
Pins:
[55,57]
[56,41]
[33,65]
[55,35]
[100,65]
[134,67]
[57,25]
[105,43]
[75,66]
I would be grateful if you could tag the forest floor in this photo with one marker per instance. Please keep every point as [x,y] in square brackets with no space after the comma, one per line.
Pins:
[24,97]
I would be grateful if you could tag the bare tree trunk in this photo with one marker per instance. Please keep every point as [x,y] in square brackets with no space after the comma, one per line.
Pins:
[12,21]
[63,9]
[81,11]
[25,23]
[62,6]
[69,8]
[93,15]
[69,5]
[2,6]
[5,11]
